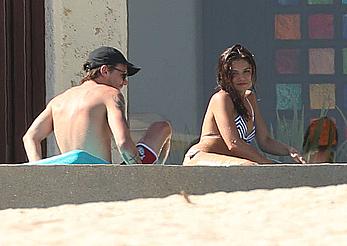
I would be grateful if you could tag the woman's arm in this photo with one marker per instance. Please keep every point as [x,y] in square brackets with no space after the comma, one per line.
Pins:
[266,142]
[224,114]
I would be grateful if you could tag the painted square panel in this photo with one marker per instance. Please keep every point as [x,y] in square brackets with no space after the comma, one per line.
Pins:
[322,96]
[289,2]
[322,61]
[344,1]
[287,26]
[320,1]
[287,61]
[288,96]
[344,26]
[321,26]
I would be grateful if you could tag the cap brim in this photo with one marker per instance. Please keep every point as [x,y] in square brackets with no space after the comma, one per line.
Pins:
[133,70]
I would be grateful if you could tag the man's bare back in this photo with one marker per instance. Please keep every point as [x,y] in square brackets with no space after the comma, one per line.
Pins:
[80,119]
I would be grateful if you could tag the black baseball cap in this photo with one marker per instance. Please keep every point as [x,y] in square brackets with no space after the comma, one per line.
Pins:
[108,56]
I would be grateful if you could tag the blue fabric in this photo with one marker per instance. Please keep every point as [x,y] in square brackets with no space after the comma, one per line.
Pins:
[71,157]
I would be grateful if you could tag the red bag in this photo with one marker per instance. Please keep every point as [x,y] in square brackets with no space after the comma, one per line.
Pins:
[321,132]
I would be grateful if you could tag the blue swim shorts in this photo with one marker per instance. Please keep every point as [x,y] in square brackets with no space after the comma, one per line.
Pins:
[71,157]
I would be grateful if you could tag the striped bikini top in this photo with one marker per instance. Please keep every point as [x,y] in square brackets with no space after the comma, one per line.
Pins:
[242,127]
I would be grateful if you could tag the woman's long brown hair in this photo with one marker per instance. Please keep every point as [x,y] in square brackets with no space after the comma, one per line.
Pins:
[224,75]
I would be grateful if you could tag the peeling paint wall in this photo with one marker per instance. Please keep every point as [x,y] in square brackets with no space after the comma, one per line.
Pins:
[73,29]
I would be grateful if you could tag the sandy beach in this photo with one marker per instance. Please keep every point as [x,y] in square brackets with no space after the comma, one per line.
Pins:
[297,216]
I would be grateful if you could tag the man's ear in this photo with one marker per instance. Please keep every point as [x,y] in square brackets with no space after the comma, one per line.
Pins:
[103,70]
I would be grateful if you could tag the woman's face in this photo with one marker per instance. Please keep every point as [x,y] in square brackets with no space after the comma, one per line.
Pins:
[241,73]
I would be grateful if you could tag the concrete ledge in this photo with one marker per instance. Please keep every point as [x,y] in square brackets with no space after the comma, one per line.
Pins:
[26,186]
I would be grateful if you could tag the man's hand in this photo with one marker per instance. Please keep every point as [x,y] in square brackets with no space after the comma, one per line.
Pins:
[130,158]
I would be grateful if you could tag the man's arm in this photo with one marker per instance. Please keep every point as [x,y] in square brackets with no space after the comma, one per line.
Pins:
[39,130]
[120,130]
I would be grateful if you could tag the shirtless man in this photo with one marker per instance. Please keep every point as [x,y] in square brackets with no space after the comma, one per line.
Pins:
[85,117]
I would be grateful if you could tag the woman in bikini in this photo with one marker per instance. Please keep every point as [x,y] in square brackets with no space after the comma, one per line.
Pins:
[233,120]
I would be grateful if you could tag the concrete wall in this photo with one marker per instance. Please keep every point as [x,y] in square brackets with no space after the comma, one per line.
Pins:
[73,29]
[165,40]
[25,186]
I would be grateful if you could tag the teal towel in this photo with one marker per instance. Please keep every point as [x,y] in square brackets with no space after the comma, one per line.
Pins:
[72,157]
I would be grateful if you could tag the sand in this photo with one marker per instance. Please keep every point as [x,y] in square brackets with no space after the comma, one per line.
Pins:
[297,216]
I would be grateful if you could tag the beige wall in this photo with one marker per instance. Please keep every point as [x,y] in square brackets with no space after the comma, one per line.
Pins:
[73,29]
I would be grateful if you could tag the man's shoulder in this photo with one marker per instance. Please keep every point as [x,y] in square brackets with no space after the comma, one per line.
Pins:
[106,88]
[108,92]
[96,89]
[93,93]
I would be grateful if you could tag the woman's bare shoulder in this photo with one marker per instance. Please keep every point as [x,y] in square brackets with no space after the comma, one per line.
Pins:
[251,96]
[221,101]
[220,97]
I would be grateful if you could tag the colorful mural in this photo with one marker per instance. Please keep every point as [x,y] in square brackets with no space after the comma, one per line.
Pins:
[311,32]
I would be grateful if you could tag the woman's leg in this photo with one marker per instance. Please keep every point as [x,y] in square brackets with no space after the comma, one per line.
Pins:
[158,138]
[211,159]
